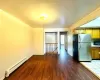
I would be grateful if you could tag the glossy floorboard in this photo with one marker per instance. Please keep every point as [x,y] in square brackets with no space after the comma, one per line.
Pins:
[52,67]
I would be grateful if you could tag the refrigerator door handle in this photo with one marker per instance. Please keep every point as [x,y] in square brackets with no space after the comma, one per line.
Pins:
[80,47]
[79,38]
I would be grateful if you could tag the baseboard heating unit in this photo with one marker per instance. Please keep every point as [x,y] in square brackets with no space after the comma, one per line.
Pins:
[14,67]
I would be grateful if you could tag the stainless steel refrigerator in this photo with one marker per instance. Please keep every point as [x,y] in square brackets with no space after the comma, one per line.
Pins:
[81,47]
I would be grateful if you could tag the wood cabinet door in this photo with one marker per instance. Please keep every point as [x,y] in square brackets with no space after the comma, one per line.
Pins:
[95,33]
[89,31]
[95,53]
[99,33]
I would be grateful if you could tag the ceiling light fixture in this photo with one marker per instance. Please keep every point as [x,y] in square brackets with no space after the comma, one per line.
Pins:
[43,16]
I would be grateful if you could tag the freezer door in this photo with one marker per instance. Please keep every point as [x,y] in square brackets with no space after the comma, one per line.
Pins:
[84,53]
[84,38]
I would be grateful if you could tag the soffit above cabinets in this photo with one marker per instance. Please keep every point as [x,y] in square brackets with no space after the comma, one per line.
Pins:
[92,24]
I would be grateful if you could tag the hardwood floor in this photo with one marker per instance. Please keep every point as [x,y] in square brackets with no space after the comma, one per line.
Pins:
[52,67]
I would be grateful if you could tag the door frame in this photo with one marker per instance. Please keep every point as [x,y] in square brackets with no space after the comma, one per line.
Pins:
[65,41]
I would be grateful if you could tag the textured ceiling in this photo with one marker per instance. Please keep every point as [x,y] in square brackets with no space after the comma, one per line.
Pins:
[61,13]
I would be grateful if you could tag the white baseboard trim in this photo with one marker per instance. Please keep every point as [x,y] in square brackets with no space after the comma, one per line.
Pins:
[39,54]
[29,57]
[14,67]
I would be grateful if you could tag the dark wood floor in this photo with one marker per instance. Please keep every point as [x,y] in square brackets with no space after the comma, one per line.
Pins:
[52,67]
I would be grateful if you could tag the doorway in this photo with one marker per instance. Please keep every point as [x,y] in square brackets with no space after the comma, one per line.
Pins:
[63,40]
[51,44]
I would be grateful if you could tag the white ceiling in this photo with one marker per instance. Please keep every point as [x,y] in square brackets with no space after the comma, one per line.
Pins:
[61,13]
[92,24]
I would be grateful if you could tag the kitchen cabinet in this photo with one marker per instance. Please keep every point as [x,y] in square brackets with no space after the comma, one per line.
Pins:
[95,52]
[96,33]
[89,31]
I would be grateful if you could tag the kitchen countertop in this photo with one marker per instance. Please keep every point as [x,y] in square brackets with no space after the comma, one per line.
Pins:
[95,45]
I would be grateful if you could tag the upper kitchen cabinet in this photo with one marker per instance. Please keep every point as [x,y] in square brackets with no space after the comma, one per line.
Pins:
[89,31]
[92,27]
[96,33]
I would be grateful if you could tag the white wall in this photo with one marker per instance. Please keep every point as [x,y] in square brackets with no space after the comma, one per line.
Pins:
[38,41]
[15,41]
[55,29]
[70,43]
[58,30]
[66,41]
[18,40]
